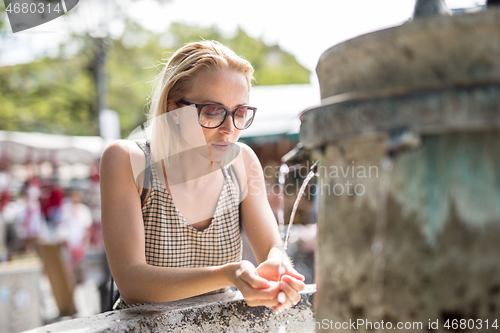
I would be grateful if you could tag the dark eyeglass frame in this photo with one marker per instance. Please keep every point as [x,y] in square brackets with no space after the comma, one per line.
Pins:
[228,112]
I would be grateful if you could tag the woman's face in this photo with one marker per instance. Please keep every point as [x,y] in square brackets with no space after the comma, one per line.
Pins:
[228,88]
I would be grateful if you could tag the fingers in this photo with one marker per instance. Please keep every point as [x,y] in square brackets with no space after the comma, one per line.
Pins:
[255,281]
[248,274]
[256,290]
[292,296]
[259,291]
[269,270]
[292,272]
[263,297]
[270,297]
[297,285]
[272,303]
[283,306]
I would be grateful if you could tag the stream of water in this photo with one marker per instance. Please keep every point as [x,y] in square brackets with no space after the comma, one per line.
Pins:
[284,169]
[302,190]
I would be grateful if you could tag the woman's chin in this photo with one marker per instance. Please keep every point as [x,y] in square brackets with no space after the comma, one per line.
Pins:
[221,152]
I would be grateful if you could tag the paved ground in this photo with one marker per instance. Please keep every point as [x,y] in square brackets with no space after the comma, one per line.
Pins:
[86,294]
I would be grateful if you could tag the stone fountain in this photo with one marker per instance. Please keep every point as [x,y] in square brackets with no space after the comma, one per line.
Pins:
[408,138]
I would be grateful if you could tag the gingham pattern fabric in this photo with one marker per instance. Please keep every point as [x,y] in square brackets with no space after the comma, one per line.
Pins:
[172,242]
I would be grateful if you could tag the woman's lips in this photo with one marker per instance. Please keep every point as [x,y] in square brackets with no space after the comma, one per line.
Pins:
[221,146]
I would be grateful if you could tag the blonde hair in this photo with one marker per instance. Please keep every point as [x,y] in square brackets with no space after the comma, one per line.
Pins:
[175,80]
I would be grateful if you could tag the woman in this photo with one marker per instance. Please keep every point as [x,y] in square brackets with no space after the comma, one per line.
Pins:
[172,230]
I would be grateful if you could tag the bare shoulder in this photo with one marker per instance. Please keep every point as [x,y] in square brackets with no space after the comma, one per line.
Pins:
[120,149]
[123,156]
[115,153]
[248,154]
[252,164]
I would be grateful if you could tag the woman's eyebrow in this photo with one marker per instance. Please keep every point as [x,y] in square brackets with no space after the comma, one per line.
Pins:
[215,102]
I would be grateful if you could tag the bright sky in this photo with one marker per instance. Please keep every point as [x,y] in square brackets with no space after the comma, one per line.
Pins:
[306,28]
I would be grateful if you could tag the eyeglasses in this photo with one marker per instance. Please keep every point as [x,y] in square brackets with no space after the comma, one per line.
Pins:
[214,115]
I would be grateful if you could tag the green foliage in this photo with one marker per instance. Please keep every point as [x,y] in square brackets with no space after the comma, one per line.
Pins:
[272,65]
[3,19]
[51,95]
[58,95]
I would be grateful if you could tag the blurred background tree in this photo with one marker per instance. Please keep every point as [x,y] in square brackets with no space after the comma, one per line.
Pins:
[57,94]
[2,18]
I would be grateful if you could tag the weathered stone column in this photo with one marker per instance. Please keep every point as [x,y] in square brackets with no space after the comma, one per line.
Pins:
[416,241]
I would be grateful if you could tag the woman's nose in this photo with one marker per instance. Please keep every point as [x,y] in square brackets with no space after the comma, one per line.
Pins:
[227,126]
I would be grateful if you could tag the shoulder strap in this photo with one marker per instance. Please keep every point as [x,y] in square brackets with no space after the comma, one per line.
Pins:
[234,175]
[148,176]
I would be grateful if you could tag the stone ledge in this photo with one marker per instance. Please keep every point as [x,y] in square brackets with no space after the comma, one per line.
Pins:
[227,312]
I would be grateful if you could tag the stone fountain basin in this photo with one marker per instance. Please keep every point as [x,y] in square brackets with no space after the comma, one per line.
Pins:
[226,312]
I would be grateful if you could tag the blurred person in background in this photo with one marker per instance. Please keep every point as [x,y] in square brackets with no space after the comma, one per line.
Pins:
[93,199]
[73,231]
[3,238]
[51,207]
[4,202]
[25,217]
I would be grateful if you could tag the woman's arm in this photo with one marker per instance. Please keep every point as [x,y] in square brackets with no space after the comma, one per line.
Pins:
[124,240]
[262,232]
[257,216]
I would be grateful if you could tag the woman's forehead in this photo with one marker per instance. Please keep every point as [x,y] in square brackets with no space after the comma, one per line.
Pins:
[219,86]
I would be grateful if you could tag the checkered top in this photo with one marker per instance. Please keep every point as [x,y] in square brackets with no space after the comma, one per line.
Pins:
[172,242]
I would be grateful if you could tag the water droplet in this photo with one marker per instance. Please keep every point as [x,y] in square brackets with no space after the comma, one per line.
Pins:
[282,297]
[284,168]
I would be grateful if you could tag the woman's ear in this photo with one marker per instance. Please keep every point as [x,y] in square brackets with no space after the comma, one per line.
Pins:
[171,106]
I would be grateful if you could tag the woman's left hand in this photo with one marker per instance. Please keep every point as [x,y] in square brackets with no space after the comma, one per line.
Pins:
[291,282]
[269,270]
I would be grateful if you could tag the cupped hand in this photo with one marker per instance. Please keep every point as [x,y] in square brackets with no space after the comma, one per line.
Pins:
[257,290]
[291,282]
[291,287]
[270,270]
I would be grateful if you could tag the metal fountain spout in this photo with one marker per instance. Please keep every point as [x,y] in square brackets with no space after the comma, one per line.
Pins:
[297,155]
[430,7]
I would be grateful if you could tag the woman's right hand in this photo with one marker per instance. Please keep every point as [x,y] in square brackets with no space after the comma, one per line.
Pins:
[256,290]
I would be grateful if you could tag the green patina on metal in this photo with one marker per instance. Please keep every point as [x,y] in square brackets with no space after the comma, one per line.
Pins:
[457,171]
[266,139]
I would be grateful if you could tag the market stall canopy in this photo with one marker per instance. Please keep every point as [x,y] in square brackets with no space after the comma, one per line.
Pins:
[20,146]
[278,109]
